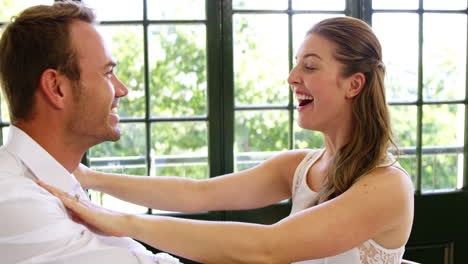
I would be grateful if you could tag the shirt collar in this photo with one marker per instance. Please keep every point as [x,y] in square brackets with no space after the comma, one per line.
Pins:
[38,160]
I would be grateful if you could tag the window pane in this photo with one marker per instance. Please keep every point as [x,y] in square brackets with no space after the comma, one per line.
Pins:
[403,120]
[127,153]
[4,109]
[440,171]
[116,9]
[260,59]
[445,5]
[409,163]
[126,43]
[5,134]
[258,135]
[126,156]
[444,56]
[398,35]
[303,23]
[319,5]
[180,149]
[306,139]
[443,125]
[176,9]
[12,8]
[395,4]
[177,63]
[260,4]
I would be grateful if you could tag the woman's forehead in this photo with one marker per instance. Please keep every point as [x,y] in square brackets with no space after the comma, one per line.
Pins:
[316,46]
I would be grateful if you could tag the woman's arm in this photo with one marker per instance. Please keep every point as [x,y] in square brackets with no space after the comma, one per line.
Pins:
[379,203]
[260,186]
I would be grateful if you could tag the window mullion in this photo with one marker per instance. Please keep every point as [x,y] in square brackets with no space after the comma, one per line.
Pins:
[419,103]
[147,91]
[227,89]
[215,101]
[361,9]
[465,152]
[290,62]
[366,11]
[353,8]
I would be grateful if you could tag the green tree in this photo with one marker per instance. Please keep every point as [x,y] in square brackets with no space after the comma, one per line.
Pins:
[177,67]
[177,83]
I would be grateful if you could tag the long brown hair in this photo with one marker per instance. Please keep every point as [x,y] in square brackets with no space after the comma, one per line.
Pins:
[358,50]
[36,40]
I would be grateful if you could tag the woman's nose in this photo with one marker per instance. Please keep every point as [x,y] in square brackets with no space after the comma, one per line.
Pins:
[293,78]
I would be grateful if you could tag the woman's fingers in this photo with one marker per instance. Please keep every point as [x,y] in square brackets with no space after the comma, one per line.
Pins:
[68,200]
[53,190]
[74,202]
[83,211]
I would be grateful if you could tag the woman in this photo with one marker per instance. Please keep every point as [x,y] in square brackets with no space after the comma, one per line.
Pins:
[352,202]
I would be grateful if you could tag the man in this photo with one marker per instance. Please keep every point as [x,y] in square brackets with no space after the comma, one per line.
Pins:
[58,78]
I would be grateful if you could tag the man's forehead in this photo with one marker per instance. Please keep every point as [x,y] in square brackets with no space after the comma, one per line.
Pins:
[88,42]
[81,27]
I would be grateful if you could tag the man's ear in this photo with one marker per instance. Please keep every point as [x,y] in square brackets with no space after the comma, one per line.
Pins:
[357,82]
[51,84]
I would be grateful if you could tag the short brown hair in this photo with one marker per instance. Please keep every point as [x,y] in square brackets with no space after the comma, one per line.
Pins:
[36,40]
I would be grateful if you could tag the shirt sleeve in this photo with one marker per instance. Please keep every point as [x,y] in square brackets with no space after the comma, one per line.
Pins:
[35,227]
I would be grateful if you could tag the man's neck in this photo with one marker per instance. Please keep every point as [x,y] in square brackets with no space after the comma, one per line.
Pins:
[54,141]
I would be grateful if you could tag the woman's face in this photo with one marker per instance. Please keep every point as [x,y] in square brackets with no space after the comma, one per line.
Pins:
[318,86]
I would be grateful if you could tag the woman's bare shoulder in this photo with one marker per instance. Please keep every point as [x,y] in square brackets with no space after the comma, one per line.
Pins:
[292,158]
[388,185]
[389,175]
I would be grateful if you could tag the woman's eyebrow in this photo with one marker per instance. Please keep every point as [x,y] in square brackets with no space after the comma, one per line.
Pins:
[312,55]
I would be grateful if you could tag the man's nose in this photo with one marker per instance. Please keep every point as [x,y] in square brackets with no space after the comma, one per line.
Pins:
[120,88]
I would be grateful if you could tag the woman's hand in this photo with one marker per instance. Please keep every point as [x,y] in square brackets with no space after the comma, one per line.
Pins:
[84,175]
[98,219]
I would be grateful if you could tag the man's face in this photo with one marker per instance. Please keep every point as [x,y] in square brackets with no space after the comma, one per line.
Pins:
[94,116]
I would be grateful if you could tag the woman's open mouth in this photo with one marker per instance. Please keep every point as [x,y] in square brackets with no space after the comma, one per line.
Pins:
[305,102]
[304,99]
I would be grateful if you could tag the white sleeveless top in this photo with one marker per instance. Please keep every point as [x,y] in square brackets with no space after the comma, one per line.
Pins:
[369,252]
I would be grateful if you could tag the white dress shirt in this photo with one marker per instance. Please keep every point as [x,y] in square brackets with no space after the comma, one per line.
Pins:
[34,225]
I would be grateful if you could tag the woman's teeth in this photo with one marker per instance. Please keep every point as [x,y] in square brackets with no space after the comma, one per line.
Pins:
[304,99]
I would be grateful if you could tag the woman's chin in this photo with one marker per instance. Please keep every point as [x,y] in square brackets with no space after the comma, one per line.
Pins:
[307,125]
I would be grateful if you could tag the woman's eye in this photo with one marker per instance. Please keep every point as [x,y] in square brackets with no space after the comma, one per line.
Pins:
[109,74]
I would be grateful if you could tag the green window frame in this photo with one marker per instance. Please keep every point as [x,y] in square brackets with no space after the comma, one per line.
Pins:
[423,150]
[222,109]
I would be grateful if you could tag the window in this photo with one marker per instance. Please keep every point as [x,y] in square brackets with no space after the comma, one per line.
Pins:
[264,106]
[266,35]
[425,54]
[161,51]
[208,91]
